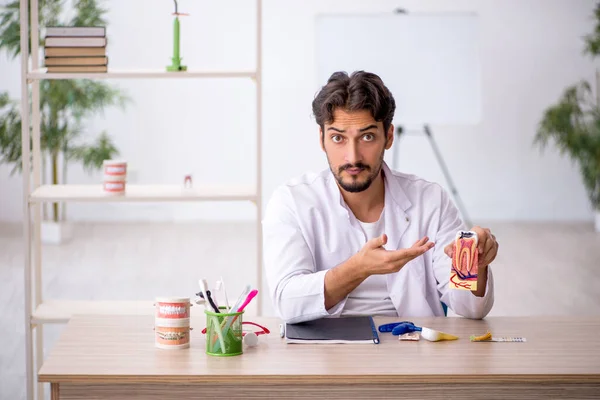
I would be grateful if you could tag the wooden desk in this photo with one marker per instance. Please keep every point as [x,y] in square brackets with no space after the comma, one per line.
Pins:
[98,357]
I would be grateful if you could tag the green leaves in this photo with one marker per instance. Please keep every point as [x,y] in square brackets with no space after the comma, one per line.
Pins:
[79,98]
[92,156]
[10,29]
[10,25]
[573,124]
[65,105]
[10,133]
[592,41]
[88,13]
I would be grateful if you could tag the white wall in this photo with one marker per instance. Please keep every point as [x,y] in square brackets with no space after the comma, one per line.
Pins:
[531,50]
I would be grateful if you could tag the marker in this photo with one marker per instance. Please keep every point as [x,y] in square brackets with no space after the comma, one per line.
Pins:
[249,298]
[217,326]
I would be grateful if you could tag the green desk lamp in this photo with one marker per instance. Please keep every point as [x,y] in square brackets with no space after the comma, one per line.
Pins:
[176,60]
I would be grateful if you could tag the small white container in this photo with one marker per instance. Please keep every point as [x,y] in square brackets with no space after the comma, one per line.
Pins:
[114,187]
[115,168]
[172,334]
[172,308]
[115,176]
[172,323]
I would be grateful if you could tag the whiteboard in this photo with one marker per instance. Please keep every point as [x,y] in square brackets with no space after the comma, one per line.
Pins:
[430,62]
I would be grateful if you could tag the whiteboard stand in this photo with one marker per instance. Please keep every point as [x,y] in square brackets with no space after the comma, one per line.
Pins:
[443,166]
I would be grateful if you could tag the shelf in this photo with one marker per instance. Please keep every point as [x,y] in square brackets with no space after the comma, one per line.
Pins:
[143,193]
[138,74]
[60,311]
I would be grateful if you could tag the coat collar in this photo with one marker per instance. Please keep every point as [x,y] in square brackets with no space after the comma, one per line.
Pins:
[393,189]
[396,205]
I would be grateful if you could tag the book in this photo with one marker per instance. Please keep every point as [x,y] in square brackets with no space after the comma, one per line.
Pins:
[333,330]
[75,42]
[75,61]
[77,68]
[90,31]
[74,51]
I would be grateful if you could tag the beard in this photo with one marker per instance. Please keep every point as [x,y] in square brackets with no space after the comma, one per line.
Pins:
[357,183]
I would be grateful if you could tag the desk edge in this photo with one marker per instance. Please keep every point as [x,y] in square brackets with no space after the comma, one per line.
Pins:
[320,379]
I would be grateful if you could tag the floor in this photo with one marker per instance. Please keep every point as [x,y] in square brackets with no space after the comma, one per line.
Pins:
[542,268]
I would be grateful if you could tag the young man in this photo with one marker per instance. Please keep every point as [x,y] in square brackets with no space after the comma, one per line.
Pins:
[358,238]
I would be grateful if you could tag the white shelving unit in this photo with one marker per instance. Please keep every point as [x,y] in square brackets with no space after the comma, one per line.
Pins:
[139,193]
[41,73]
[40,311]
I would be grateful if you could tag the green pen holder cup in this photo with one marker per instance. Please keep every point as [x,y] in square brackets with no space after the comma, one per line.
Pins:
[224,336]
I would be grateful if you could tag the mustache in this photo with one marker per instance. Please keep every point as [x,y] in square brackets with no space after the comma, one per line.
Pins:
[357,165]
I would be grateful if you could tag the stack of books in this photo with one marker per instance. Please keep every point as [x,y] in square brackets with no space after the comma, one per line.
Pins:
[75,49]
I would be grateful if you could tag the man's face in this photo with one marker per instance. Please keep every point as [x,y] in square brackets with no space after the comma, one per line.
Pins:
[355,143]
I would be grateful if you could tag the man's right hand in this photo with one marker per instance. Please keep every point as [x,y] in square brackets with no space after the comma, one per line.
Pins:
[370,260]
[374,259]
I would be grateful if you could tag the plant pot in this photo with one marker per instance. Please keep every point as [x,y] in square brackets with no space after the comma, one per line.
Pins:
[597,220]
[56,232]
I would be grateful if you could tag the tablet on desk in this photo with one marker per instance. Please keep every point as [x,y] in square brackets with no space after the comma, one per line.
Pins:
[333,330]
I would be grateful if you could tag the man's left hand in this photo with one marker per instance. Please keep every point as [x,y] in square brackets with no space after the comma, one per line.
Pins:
[487,246]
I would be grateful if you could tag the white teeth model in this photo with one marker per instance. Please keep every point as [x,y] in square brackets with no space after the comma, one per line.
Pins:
[115,170]
[172,335]
[172,310]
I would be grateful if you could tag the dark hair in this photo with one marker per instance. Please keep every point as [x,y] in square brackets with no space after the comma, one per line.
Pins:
[359,91]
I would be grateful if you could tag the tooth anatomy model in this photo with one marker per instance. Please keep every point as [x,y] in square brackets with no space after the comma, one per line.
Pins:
[463,274]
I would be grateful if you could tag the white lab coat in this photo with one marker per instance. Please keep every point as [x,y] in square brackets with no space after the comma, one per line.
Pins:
[308,229]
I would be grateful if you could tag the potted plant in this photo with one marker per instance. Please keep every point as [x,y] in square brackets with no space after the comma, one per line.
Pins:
[65,105]
[573,124]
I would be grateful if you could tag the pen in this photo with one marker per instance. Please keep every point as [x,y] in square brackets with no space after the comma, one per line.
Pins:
[203,287]
[236,306]
[251,295]
[221,284]
[241,308]
[240,299]
[212,302]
